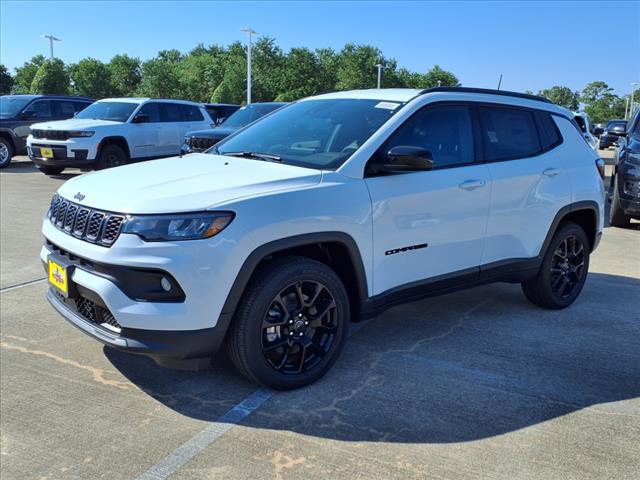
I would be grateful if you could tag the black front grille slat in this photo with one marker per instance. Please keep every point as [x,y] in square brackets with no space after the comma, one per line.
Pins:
[88,224]
[96,314]
[50,134]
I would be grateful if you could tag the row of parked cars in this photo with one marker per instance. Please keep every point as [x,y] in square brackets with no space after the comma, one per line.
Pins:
[60,131]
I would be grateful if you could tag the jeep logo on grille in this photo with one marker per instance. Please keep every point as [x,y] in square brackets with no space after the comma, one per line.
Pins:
[78,196]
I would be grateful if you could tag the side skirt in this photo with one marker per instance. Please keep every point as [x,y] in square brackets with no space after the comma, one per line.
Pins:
[511,271]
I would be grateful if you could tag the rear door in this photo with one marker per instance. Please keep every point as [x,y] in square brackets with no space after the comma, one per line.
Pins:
[172,130]
[529,179]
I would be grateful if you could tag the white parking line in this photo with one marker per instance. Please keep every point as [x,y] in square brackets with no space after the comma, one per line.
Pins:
[20,285]
[206,437]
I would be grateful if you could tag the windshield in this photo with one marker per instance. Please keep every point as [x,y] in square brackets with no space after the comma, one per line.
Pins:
[10,105]
[616,124]
[116,111]
[313,133]
[246,115]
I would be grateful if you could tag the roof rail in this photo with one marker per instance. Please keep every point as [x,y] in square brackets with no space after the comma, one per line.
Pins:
[487,91]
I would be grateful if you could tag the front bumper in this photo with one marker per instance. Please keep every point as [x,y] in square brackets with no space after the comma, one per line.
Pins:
[165,347]
[74,152]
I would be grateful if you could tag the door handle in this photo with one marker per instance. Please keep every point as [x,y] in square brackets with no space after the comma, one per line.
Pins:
[471,184]
[552,172]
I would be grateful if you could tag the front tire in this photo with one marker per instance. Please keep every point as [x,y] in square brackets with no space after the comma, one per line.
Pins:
[291,324]
[6,152]
[111,155]
[563,271]
[617,217]
[48,170]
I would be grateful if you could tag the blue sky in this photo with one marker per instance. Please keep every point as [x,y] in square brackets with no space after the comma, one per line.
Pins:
[533,44]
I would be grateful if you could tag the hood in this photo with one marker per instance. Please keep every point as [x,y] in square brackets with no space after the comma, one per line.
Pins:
[219,133]
[194,182]
[73,124]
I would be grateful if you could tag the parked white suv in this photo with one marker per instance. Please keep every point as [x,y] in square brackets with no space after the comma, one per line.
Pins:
[114,132]
[327,211]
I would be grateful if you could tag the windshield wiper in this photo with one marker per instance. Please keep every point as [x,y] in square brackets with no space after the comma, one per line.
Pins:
[267,157]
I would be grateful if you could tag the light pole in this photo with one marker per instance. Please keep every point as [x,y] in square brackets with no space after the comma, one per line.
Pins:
[51,40]
[249,33]
[380,67]
[633,91]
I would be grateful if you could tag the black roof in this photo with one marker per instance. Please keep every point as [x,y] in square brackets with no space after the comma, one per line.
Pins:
[489,91]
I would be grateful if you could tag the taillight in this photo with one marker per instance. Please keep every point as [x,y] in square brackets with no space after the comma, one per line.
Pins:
[600,167]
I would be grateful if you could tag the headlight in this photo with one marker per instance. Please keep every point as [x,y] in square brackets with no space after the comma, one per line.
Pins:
[187,226]
[81,133]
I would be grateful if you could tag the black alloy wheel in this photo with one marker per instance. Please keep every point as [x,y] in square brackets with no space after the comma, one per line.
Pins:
[299,327]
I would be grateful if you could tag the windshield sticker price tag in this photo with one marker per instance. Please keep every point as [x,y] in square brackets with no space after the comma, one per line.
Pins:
[388,105]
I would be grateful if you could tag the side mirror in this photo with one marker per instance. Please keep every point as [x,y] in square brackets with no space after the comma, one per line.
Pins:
[407,158]
[26,115]
[140,118]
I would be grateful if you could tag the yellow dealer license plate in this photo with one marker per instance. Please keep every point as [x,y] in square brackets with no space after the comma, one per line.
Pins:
[46,152]
[58,276]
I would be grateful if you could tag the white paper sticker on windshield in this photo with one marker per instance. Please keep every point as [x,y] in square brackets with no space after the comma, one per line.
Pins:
[388,105]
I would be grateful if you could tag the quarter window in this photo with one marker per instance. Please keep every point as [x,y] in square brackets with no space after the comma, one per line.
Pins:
[445,131]
[508,133]
[549,134]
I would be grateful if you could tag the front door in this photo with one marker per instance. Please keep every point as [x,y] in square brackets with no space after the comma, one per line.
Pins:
[432,223]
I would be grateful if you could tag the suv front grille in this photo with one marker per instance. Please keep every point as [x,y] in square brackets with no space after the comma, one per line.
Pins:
[202,143]
[632,187]
[50,134]
[92,312]
[91,225]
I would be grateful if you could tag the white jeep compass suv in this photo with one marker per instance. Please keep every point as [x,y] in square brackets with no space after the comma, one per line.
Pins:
[113,132]
[325,212]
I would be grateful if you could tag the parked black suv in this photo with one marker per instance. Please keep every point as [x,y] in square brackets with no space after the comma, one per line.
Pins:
[18,112]
[219,112]
[612,132]
[201,140]
[624,191]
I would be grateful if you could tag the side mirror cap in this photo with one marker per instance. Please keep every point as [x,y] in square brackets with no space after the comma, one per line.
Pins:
[140,118]
[408,158]
[26,115]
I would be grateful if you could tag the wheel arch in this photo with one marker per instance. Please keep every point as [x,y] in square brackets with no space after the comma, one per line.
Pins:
[6,135]
[585,213]
[116,140]
[337,250]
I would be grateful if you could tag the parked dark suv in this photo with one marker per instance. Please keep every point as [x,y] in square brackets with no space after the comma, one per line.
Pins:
[219,112]
[18,112]
[201,140]
[624,192]
[612,132]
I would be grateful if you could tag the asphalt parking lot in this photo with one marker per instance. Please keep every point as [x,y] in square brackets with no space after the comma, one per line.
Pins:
[477,384]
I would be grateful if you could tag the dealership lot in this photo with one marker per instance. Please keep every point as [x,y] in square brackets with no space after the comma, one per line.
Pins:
[477,384]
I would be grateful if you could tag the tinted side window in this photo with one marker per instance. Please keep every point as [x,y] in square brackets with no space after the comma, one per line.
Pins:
[170,112]
[65,109]
[79,106]
[153,111]
[191,113]
[508,133]
[549,134]
[443,130]
[40,109]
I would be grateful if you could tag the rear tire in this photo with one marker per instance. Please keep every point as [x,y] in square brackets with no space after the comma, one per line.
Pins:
[111,155]
[291,324]
[617,217]
[48,170]
[6,152]
[563,271]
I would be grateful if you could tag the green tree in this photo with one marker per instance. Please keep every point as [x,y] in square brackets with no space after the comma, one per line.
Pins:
[201,71]
[51,77]
[327,73]
[233,88]
[600,103]
[301,75]
[437,77]
[91,78]
[268,63]
[6,80]
[126,74]
[562,96]
[356,66]
[24,75]
[161,77]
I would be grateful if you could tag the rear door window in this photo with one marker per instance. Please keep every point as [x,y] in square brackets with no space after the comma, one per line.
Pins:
[170,112]
[508,133]
[64,108]
[191,113]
